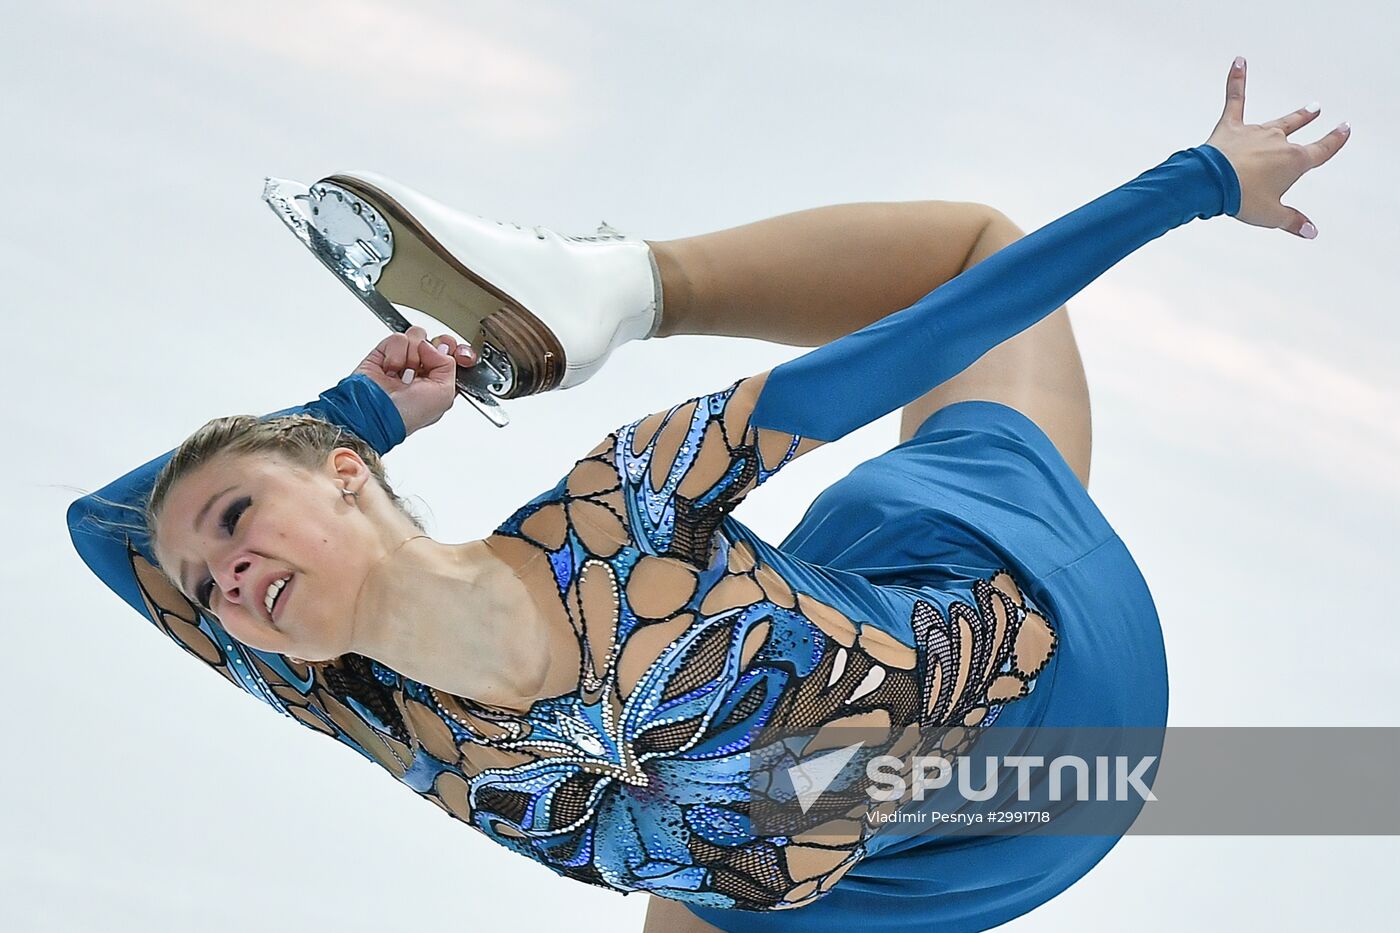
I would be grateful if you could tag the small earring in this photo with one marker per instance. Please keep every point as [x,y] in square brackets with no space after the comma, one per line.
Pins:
[349,494]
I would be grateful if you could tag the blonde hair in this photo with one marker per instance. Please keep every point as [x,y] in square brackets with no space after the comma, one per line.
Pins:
[301,439]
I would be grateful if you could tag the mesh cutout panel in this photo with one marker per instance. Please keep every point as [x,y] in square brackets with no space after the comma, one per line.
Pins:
[702,664]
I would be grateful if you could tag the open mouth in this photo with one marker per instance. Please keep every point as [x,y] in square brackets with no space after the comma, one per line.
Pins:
[272,601]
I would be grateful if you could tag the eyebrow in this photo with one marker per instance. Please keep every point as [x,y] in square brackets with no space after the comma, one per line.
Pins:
[198,520]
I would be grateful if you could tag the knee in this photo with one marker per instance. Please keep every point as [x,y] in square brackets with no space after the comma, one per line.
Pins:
[1001,226]
[998,231]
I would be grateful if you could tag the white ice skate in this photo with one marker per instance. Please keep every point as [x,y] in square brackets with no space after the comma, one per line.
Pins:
[543,309]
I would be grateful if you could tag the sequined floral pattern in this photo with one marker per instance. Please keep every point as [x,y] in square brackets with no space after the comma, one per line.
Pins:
[695,654]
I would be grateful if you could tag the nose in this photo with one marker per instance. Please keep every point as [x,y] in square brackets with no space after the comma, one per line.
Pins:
[233,576]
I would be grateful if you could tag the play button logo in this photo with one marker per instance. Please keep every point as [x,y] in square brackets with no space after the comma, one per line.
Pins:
[811,778]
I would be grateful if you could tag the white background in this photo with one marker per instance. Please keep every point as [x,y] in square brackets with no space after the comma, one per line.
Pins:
[1246,406]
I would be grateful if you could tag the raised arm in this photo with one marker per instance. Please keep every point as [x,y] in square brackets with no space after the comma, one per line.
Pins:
[687,467]
[382,402]
[1242,170]
[834,389]
[101,524]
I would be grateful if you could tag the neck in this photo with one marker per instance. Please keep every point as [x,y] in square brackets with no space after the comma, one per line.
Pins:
[450,616]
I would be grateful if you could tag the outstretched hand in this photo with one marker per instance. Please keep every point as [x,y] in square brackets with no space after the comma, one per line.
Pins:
[1266,162]
[419,376]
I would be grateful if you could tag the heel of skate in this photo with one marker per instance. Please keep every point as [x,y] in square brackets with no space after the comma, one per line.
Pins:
[352,237]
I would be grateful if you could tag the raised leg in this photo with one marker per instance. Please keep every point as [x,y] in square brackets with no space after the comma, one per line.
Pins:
[809,277]
[1038,372]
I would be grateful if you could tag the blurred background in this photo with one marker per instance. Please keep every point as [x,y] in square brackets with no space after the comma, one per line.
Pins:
[1246,402]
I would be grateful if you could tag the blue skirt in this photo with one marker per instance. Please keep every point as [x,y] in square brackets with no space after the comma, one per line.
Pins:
[980,487]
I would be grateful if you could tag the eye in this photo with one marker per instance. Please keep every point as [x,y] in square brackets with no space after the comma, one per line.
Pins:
[229,521]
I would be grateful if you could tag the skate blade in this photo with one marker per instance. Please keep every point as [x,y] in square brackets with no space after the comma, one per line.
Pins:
[356,254]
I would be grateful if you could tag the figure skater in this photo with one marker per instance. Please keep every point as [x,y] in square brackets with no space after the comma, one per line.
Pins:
[591,684]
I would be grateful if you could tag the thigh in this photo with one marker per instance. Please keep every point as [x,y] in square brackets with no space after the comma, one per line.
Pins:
[667,916]
[1038,372]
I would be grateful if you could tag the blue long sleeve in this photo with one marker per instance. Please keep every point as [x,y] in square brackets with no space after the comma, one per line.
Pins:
[848,383]
[95,521]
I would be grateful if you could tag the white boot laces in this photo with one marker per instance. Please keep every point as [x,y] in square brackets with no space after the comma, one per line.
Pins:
[605,232]
[539,231]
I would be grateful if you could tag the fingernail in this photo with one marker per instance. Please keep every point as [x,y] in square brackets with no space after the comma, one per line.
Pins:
[1308,231]
[1314,107]
[407,376]
[1239,61]
[442,348]
[464,349]
[1345,128]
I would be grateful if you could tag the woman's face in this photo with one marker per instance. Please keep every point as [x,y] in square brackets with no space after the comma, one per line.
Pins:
[242,531]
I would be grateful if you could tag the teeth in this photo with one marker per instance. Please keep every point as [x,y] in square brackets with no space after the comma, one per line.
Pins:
[273,591]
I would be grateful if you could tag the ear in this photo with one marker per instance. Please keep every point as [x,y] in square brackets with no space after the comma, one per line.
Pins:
[348,468]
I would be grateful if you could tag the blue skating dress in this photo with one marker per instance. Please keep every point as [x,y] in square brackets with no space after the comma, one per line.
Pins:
[962,579]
